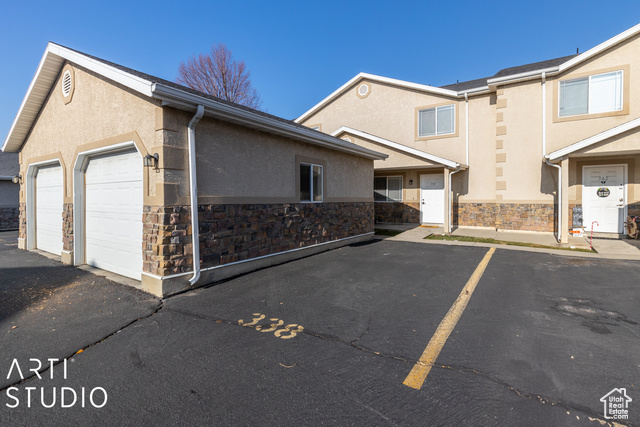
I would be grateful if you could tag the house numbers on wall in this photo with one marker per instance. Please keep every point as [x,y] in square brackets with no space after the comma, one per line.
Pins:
[285,332]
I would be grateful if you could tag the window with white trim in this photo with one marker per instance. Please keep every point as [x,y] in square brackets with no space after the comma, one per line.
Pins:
[437,121]
[600,93]
[387,189]
[310,183]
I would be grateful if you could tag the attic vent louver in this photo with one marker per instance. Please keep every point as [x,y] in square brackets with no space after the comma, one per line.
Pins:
[66,84]
[363,90]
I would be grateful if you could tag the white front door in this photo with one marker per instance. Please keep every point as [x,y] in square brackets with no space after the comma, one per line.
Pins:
[49,209]
[432,198]
[113,210]
[603,198]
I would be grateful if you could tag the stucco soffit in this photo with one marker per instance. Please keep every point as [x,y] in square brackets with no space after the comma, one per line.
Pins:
[400,147]
[595,139]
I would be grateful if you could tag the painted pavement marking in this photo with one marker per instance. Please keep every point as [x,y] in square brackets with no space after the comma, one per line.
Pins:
[421,369]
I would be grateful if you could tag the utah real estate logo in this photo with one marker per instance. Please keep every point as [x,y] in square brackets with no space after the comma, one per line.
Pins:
[616,404]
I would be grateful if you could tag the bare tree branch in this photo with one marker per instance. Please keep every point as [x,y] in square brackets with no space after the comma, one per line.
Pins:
[220,75]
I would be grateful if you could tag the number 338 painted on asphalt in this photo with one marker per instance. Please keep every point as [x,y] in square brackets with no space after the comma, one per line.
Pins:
[286,332]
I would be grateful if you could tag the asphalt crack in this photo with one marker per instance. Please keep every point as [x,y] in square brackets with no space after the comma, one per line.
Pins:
[95,343]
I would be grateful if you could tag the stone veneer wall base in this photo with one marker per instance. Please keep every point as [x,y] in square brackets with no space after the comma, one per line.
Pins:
[9,218]
[171,285]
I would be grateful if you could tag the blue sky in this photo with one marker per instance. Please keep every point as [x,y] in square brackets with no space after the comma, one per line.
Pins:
[301,51]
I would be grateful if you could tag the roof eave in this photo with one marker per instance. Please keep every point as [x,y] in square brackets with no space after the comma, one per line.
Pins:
[587,142]
[408,150]
[46,74]
[379,79]
[246,118]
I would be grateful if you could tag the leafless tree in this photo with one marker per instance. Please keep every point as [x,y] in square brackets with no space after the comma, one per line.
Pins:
[218,74]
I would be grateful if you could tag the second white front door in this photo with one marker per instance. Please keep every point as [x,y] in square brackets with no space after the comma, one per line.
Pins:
[432,198]
[603,198]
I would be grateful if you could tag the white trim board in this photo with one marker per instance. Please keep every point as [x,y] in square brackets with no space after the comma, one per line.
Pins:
[390,81]
[408,150]
[559,154]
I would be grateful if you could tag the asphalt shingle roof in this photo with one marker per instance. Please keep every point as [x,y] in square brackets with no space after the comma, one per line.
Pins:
[511,71]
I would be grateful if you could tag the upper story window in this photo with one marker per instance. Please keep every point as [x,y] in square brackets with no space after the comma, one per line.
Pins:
[387,189]
[437,121]
[310,182]
[600,93]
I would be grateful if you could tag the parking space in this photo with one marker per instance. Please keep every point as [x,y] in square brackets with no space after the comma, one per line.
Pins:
[330,339]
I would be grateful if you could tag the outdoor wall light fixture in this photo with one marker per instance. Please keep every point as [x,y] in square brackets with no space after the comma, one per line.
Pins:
[410,182]
[17,179]
[151,161]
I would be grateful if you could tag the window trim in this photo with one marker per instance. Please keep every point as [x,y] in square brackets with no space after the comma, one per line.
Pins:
[312,165]
[625,95]
[436,106]
[387,189]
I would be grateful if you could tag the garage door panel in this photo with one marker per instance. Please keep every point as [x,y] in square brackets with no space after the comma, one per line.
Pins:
[114,213]
[48,201]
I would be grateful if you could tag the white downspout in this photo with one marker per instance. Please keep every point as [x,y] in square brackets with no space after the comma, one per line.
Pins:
[544,115]
[193,187]
[451,199]
[466,123]
[546,160]
[544,153]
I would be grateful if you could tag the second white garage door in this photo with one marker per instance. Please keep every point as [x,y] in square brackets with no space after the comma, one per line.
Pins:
[113,209]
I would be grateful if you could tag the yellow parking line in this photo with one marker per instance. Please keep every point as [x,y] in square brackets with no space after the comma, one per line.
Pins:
[421,369]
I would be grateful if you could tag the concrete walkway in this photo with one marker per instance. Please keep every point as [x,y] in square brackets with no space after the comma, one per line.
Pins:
[605,247]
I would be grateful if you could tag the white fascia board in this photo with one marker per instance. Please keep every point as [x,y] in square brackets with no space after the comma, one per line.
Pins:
[558,154]
[268,124]
[522,76]
[136,83]
[40,87]
[430,157]
[600,48]
[14,139]
[379,79]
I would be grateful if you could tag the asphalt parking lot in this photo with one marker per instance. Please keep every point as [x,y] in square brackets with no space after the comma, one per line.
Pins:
[327,340]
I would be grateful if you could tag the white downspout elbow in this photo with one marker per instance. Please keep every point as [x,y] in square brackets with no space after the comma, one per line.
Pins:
[546,160]
[451,200]
[193,187]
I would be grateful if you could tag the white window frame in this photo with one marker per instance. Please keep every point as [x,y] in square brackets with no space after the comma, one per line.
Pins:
[589,78]
[387,189]
[435,116]
[312,165]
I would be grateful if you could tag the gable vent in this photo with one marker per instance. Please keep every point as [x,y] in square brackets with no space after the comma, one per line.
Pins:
[66,84]
[363,89]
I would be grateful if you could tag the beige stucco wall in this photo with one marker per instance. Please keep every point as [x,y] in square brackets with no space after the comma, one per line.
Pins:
[505,130]
[240,165]
[390,112]
[100,113]
[562,134]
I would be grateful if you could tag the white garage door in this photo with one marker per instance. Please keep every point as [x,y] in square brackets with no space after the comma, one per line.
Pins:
[113,211]
[49,209]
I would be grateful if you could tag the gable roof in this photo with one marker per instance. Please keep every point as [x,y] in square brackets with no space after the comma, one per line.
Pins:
[602,136]
[477,86]
[171,94]
[400,147]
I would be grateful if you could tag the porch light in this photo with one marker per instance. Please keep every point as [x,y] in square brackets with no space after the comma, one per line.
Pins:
[151,161]
[17,179]
[410,182]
